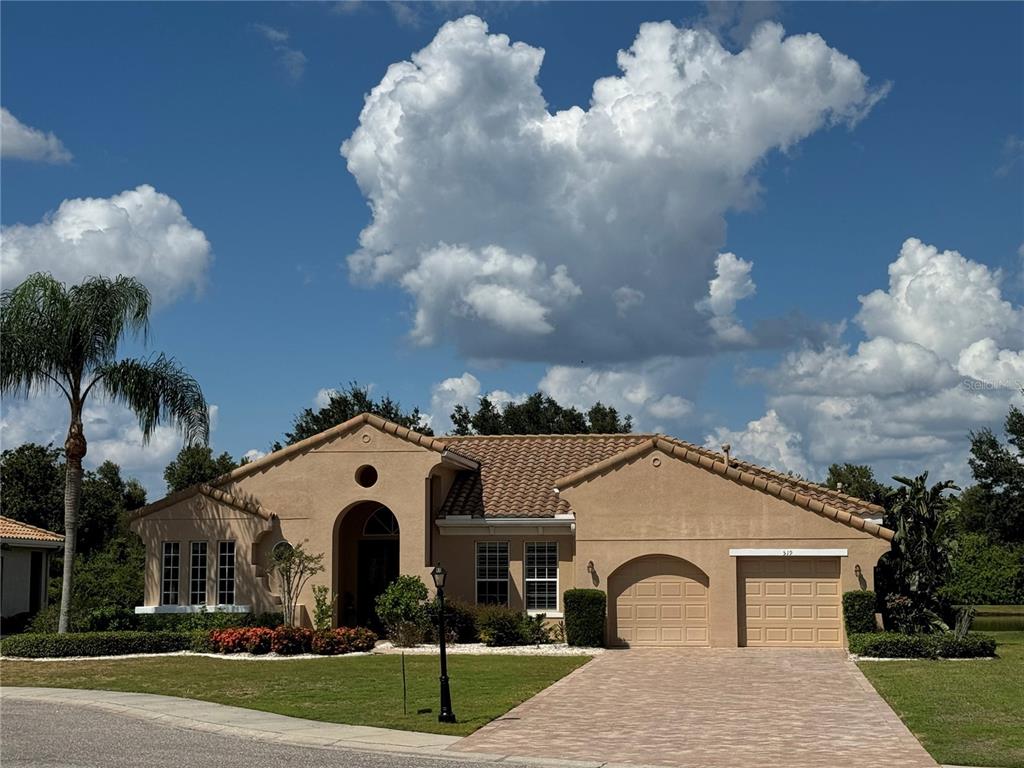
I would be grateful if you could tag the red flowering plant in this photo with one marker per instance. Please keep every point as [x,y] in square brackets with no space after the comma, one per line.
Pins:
[290,641]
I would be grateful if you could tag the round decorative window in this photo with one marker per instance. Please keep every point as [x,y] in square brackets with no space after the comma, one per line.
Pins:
[281,549]
[366,476]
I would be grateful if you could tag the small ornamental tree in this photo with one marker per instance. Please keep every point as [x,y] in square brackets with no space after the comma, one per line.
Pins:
[293,567]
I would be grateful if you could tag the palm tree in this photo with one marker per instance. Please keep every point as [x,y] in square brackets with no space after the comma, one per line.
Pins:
[55,337]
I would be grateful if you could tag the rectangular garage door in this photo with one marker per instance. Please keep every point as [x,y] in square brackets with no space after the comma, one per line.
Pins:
[790,601]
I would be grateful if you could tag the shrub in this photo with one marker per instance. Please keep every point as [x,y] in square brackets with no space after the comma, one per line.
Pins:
[859,611]
[231,640]
[290,641]
[500,625]
[51,645]
[208,620]
[972,645]
[584,617]
[343,640]
[401,610]
[201,642]
[258,639]
[459,621]
[323,608]
[945,645]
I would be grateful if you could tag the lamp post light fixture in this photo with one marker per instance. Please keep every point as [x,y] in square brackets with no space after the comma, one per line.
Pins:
[446,715]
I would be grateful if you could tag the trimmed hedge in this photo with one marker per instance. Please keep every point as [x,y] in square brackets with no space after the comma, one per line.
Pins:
[459,620]
[185,622]
[859,611]
[585,617]
[896,645]
[48,645]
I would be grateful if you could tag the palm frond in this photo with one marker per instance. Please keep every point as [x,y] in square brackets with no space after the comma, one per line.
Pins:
[32,355]
[158,391]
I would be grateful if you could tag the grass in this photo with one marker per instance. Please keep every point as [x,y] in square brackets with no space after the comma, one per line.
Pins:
[963,712]
[363,690]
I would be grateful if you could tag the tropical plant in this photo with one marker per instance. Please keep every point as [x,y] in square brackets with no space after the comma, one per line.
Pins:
[294,567]
[918,565]
[64,338]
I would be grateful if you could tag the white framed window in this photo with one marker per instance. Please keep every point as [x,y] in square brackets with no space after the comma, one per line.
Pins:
[492,573]
[225,573]
[197,573]
[541,576]
[171,573]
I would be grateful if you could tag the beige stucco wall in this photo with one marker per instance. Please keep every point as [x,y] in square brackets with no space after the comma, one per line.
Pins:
[661,505]
[458,555]
[308,492]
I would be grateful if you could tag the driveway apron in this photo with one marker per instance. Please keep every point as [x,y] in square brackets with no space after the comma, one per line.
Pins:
[710,707]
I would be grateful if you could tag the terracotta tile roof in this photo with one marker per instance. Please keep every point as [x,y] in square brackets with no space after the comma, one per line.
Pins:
[824,501]
[518,472]
[14,529]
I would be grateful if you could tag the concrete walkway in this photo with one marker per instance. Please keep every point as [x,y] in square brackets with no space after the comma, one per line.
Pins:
[709,708]
[251,723]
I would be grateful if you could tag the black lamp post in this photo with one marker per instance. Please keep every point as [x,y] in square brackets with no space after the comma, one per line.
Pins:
[446,715]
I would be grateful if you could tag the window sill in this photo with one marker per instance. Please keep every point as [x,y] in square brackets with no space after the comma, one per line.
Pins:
[547,614]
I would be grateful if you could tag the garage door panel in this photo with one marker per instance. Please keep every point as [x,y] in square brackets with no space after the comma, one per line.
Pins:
[660,601]
[790,601]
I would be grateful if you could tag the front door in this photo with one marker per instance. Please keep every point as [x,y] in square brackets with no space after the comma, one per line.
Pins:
[377,567]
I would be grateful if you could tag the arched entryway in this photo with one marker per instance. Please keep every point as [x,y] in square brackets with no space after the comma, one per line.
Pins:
[366,548]
[658,600]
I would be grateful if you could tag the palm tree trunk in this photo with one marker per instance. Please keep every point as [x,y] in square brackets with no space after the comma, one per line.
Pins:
[74,449]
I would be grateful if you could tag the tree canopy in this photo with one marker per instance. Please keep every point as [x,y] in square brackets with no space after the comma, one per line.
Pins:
[538,414]
[33,492]
[996,503]
[857,480]
[347,403]
[196,464]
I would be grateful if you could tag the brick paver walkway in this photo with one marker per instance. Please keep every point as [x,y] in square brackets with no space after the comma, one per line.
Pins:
[708,708]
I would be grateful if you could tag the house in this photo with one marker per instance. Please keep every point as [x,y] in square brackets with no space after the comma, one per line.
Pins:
[693,547]
[25,552]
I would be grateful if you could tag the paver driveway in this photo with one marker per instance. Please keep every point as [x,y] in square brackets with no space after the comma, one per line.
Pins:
[708,708]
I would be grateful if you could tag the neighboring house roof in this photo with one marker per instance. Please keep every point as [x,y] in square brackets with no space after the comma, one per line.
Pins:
[518,472]
[251,506]
[17,531]
[819,499]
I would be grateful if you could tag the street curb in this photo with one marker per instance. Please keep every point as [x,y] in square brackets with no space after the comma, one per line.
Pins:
[166,710]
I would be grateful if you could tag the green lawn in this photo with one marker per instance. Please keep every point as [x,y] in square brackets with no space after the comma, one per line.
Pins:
[362,690]
[964,712]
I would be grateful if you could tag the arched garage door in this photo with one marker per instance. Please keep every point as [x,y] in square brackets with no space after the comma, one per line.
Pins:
[659,600]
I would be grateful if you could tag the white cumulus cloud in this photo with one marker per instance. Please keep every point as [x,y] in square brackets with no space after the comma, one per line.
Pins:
[23,142]
[139,232]
[766,441]
[943,356]
[592,232]
[731,284]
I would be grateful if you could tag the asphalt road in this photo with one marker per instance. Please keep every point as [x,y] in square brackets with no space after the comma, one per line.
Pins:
[39,735]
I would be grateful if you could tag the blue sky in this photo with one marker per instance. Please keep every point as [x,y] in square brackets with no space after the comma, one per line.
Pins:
[236,112]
